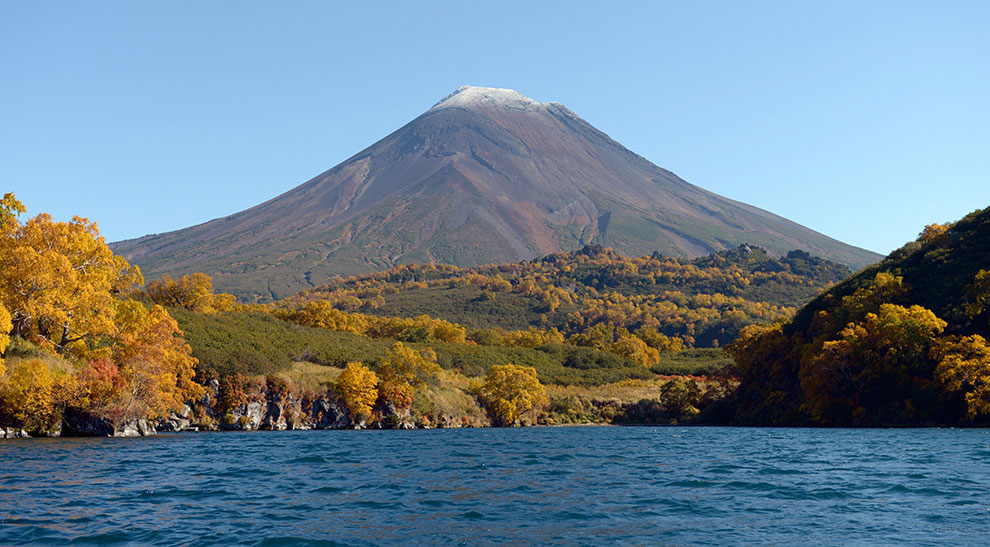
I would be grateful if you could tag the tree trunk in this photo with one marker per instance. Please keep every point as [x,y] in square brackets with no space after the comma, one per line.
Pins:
[65,339]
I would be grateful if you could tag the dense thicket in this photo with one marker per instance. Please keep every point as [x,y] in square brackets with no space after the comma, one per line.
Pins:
[255,343]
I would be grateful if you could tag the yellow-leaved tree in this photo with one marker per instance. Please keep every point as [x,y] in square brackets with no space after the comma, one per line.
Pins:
[510,390]
[34,391]
[403,370]
[192,292]
[933,233]
[965,368]
[59,280]
[358,386]
[4,335]
[978,293]
[154,359]
[869,371]
[62,288]
[636,350]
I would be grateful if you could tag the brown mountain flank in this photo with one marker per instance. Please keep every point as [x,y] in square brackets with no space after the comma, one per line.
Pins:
[486,175]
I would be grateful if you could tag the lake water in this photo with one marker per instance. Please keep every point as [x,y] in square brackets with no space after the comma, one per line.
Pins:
[580,485]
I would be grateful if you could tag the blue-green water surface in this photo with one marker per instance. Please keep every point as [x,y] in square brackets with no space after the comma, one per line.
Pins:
[582,485]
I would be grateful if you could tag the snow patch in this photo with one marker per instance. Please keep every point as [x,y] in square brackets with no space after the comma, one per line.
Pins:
[468,96]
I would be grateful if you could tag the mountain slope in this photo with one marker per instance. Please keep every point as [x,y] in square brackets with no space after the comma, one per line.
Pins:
[484,176]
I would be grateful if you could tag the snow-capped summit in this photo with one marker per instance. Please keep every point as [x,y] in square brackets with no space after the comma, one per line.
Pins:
[467,96]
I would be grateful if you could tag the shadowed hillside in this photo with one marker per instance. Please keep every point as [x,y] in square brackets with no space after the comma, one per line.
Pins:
[902,342]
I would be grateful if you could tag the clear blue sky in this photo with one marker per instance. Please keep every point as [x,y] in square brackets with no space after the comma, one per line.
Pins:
[862,120]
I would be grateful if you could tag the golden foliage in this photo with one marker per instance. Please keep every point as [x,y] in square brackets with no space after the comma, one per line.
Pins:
[358,386]
[10,209]
[510,390]
[933,233]
[659,341]
[156,361]
[33,393]
[532,338]
[4,334]
[857,370]
[59,281]
[573,292]
[965,367]
[403,370]
[978,293]
[192,292]
[62,287]
[636,350]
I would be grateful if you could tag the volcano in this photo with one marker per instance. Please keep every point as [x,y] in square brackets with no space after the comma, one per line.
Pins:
[486,175]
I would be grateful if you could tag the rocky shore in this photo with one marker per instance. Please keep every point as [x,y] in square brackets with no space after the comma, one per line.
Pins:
[266,410]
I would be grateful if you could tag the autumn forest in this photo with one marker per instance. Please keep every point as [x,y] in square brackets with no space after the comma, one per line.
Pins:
[742,336]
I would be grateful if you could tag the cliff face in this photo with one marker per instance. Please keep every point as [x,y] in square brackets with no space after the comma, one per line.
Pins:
[484,176]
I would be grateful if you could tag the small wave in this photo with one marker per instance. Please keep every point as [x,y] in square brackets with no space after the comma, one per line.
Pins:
[327,490]
[829,494]
[902,489]
[288,541]
[752,486]
[694,483]
[779,471]
[376,504]
[433,503]
[576,515]
[316,458]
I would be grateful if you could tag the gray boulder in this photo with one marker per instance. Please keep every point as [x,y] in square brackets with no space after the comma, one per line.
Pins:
[176,421]
[327,413]
[13,433]
[246,417]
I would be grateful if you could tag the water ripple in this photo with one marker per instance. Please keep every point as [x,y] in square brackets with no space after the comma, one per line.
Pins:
[607,485]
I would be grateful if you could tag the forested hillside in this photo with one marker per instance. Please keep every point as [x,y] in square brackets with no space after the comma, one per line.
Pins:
[595,293]
[902,342]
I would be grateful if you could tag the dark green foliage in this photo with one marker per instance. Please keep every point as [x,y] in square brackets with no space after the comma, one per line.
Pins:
[550,362]
[695,362]
[679,401]
[468,306]
[259,344]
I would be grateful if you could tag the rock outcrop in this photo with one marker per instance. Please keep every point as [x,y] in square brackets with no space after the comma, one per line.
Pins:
[76,423]
[176,421]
